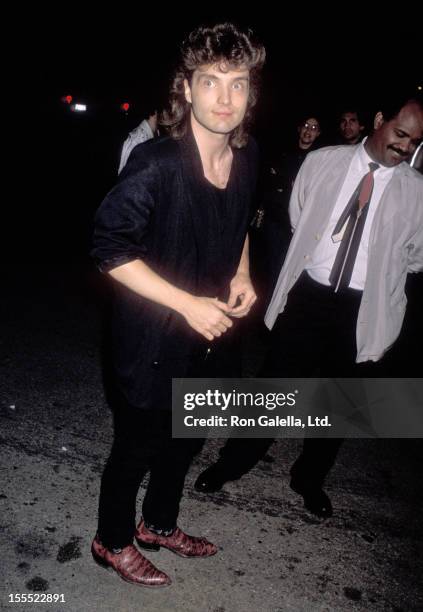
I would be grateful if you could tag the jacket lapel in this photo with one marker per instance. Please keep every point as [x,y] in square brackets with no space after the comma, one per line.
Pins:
[328,191]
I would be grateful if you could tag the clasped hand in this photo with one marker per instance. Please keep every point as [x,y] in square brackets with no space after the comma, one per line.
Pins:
[210,317]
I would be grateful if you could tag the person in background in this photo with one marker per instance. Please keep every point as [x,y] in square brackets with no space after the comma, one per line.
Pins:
[146,130]
[277,188]
[351,127]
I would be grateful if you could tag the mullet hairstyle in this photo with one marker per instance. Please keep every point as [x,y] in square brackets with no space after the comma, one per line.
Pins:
[230,48]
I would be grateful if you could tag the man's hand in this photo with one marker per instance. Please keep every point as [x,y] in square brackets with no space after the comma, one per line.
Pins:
[241,288]
[206,315]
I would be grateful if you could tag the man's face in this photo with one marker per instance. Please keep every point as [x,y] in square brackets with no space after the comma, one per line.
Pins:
[308,132]
[350,128]
[396,140]
[218,97]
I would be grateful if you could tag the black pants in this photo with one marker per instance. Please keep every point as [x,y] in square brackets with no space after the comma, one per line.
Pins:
[143,443]
[314,336]
[239,455]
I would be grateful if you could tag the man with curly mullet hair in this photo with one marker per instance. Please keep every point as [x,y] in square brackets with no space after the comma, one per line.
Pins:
[172,235]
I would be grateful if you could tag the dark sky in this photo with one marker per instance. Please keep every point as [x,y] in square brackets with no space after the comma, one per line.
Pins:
[115,50]
[317,58]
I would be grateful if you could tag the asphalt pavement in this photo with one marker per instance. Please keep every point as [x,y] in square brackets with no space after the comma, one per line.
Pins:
[274,556]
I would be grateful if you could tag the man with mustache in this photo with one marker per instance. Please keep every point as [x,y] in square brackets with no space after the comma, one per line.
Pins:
[339,303]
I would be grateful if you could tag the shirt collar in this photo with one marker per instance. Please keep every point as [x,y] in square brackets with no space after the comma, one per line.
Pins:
[363,160]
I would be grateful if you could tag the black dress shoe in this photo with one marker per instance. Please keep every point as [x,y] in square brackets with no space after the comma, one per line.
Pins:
[211,480]
[315,499]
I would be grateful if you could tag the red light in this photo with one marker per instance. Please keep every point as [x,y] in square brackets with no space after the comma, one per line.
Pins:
[125,107]
[67,99]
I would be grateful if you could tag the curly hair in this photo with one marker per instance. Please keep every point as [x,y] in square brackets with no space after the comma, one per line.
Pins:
[231,48]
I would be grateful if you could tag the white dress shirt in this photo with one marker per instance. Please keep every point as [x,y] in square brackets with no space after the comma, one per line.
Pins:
[323,257]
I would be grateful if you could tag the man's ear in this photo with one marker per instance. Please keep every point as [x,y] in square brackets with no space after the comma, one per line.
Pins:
[379,120]
[187,91]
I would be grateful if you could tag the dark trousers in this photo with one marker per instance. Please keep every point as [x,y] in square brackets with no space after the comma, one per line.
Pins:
[314,336]
[143,443]
[239,455]
[316,333]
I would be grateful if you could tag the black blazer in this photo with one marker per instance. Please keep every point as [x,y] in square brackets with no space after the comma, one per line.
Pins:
[166,213]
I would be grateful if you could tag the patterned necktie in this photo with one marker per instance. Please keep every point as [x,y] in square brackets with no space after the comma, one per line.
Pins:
[352,219]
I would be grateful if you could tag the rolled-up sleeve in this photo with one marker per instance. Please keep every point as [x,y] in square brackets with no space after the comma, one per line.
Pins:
[121,222]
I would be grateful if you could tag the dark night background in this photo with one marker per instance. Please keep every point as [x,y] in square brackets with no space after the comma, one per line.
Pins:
[316,60]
